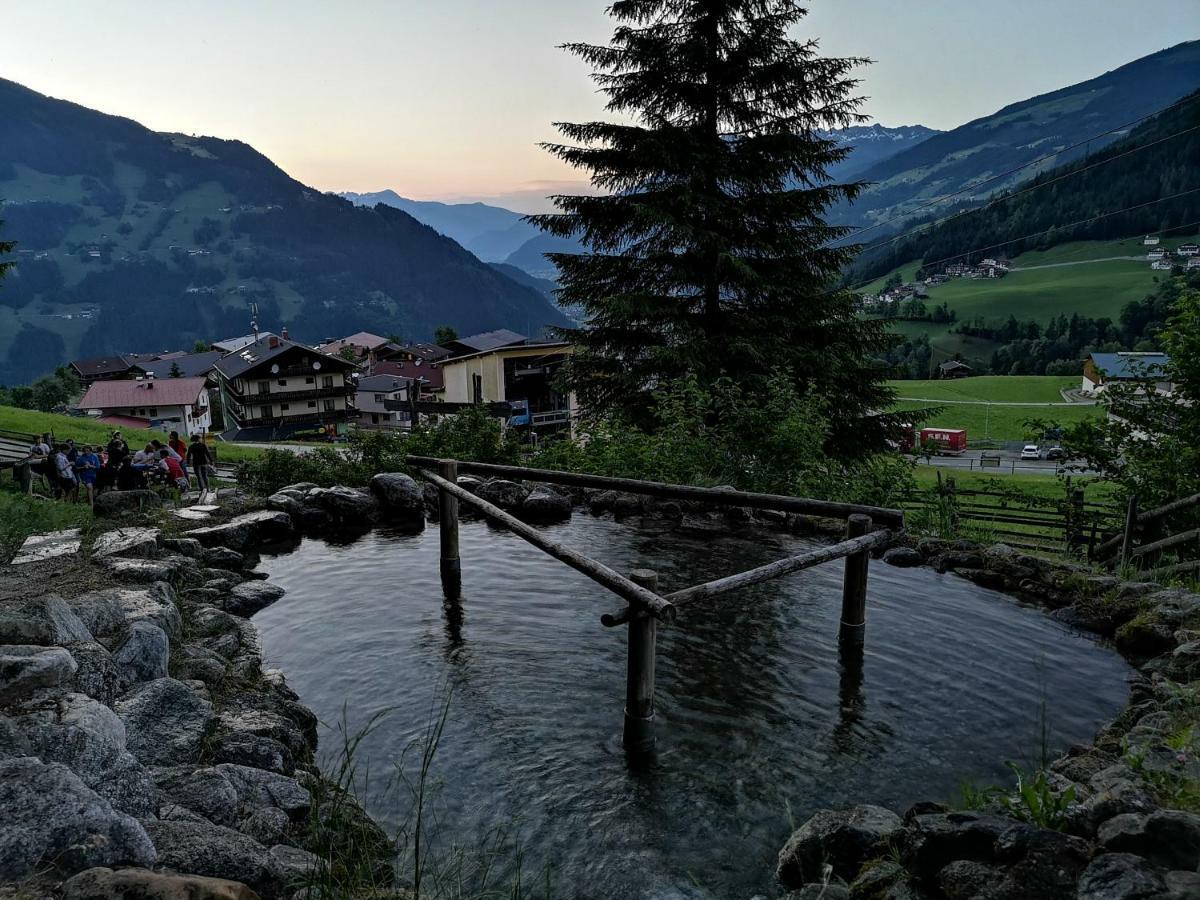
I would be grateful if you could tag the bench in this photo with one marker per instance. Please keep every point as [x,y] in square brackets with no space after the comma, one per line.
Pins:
[14,454]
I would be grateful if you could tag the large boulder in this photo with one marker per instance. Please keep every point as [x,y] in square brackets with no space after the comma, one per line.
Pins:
[249,597]
[166,721]
[344,504]
[544,505]
[109,612]
[246,530]
[140,884]
[26,668]
[1120,876]
[51,818]
[202,790]
[400,498]
[45,620]
[141,542]
[843,839]
[903,557]
[116,503]
[1167,837]
[222,558]
[257,789]
[145,654]
[508,495]
[216,852]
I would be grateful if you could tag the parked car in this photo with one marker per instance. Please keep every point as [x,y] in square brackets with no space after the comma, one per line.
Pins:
[1055,453]
[1031,451]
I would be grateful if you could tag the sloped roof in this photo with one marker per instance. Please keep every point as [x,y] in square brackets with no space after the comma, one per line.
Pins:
[1131,365]
[101,365]
[362,339]
[382,383]
[150,392]
[233,344]
[269,347]
[398,368]
[190,364]
[487,340]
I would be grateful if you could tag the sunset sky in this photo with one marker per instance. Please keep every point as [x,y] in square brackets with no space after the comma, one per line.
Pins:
[448,99]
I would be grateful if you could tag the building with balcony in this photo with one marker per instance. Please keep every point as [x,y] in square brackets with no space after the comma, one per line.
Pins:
[374,393]
[273,388]
[172,404]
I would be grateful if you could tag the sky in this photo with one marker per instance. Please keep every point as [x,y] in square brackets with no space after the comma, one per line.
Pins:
[448,99]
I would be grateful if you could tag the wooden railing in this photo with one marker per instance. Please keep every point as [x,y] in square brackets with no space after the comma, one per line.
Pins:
[645,606]
[1144,539]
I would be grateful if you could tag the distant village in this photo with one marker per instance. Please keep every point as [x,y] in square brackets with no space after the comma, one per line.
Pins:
[266,387]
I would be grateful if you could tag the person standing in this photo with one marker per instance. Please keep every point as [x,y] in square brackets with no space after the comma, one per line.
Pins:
[179,448]
[117,450]
[87,468]
[64,474]
[200,458]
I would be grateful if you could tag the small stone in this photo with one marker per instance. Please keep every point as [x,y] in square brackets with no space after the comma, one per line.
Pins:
[45,621]
[39,547]
[139,542]
[543,506]
[966,879]
[115,503]
[222,558]
[145,655]
[903,557]
[105,884]
[189,547]
[165,721]
[249,597]
[253,750]
[25,668]
[843,839]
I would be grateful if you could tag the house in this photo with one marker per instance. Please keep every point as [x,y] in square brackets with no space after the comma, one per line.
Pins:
[360,344]
[1188,250]
[1194,262]
[273,388]
[1103,369]
[187,365]
[232,345]
[1151,240]
[996,262]
[391,352]
[428,375]
[100,368]
[376,390]
[173,404]
[520,372]
[1157,253]
[488,340]
[953,368]
[1161,265]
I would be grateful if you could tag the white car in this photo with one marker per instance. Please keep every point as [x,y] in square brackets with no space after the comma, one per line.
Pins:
[1031,451]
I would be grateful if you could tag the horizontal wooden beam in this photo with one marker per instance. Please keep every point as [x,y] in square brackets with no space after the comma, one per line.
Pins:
[1167,543]
[639,597]
[767,572]
[1165,510]
[714,496]
[1176,569]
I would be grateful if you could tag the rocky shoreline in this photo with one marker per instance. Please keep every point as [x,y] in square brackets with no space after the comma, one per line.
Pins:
[145,752]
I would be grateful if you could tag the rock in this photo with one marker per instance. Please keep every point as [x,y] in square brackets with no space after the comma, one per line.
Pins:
[704,525]
[141,542]
[291,865]
[251,596]
[1040,864]
[268,825]
[46,621]
[1120,876]
[1174,607]
[214,851]
[39,547]
[145,655]
[222,558]
[110,612]
[819,892]
[257,789]
[96,675]
[965,879]
[51,818]
[202,790]
[877,879]
[116,503]
[937,839]
[253,750]
[508,495]
[1183,885]
[196,663]
[142,571]
[165,721]
[12,742]
[245,530]
[843,839]
[1185,660]
[400,497]
[985,578]
[903,557]
[189,547]
[345,504]
[949,562]
[25,668]
[1166,837]
[1143,638]
[543,506]
[141,884]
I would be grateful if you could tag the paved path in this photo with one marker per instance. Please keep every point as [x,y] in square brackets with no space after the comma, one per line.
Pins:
[988,402]
[1077,262]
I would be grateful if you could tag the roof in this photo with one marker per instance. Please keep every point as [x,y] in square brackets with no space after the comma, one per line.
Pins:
[231,345]
[151,391]
[269,347]
[953,364]
[524,344]
[361,339]
[382,383]
[402,368]
[1131,365]
[430,352]
[101,365]
[487,340]
[190,364]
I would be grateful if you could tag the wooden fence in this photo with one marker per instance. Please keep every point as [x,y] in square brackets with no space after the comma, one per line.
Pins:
[645,606]
[1147,536]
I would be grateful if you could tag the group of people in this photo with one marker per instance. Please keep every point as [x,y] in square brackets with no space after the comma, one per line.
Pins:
[67,467]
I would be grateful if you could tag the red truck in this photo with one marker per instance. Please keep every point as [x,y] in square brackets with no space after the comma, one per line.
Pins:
[944,441]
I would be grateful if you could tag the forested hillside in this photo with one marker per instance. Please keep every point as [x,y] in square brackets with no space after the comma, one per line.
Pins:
[132,240]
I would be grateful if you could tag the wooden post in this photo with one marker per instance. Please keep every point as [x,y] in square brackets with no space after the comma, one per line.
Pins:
[638,735]
[448,526]
[24,477]
[1131,517]
[854,585]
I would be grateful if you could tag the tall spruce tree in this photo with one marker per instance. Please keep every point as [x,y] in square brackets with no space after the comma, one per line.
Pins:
[6,247]
[708,251]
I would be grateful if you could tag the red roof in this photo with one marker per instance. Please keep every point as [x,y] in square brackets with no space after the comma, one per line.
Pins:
[153,392]
[435,379]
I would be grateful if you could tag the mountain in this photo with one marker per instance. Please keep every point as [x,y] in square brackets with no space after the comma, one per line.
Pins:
[490,232]
[530,256]
[1048,125]
[132,240]
[872,144]
[1137,178]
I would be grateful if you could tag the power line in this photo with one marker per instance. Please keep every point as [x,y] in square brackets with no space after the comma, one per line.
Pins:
[939,200]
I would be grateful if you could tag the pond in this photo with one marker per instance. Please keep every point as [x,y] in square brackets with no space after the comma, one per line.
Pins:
[759,723]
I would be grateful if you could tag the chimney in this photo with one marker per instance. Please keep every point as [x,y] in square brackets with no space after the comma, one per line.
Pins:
[272,342]
[284,335]
[150,385]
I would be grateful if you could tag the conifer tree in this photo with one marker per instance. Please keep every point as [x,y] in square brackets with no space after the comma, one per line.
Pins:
[6,247]
[707,247]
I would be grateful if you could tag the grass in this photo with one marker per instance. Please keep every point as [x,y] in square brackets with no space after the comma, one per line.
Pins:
[990,388]
[21,516]
[997,422]
[86,430]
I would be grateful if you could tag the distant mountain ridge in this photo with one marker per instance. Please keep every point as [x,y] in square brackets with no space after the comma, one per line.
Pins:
[1020,133]
[874,143]
[132,240]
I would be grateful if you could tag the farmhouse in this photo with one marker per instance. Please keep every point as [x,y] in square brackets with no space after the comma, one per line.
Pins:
[179,404]
[374,391]
[231,345]
[360,344]
[1150,240]
[1103,369]
[100,368]
[1188,250]
[953,368]
[273,388]
[1157,253]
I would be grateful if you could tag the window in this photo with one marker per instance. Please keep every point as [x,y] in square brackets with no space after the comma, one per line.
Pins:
[282,382]
[326,381]
[283,407]
[329,406]
[312,404]
[308,379]
[264,387]
[379,398]
[154,412]
[264,412]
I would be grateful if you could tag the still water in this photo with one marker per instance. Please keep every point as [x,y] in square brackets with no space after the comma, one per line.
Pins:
[758,722]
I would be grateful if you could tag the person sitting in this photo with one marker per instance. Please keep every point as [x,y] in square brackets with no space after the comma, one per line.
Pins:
[87,469]
[146,458]
[172,469]
[128,478]
[180,449]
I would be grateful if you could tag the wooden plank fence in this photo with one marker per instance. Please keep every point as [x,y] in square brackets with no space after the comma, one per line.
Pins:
[645,605]
[1146,535]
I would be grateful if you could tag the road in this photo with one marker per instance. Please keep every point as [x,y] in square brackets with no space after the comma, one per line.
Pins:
[1077,262]
[1010,464]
